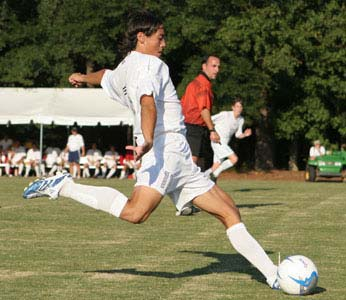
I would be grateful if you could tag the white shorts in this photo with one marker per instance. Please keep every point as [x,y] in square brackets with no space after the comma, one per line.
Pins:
[169,169]
[110,163]
[221,151]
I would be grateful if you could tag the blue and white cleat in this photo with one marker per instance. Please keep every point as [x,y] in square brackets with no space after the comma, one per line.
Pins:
[50,186]
[274,285]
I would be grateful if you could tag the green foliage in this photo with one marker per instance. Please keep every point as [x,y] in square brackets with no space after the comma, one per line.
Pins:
[288,57]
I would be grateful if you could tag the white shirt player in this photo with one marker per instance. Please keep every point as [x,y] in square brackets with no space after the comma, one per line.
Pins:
[111,158]
[18,154]
[75,142]
[94,155]
[52,155]
[140,74]
[226,125]
[33,155]
[317,151]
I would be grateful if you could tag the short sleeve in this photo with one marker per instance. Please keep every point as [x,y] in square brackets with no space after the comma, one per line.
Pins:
[149,80]
[240,128]
[108,85]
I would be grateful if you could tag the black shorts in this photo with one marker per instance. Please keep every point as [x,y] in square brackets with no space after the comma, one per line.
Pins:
[198,139]
[73,157]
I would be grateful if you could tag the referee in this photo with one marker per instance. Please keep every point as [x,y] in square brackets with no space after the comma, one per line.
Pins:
[197,103]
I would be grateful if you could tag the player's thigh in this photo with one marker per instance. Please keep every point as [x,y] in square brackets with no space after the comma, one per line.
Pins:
[141,204]
[219,204]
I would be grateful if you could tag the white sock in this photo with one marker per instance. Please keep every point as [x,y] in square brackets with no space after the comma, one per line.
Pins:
[104,170]
[7,169]
[52,170]
[20,169]
[247,246]
[43,170]
[27,170]
[97,171]
[226,164]
[37,171]
[111,173]
[86,173]
[97,197]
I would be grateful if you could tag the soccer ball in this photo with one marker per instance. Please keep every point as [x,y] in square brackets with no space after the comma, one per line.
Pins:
[297,275]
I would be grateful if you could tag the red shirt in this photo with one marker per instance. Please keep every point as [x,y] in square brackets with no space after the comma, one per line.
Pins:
[198,95]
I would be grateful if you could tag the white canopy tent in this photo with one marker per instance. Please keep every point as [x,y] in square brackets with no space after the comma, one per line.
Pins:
[86,107]
[44,106]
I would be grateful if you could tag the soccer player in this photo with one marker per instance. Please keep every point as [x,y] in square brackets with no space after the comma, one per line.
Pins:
[93,159]
[110,160]
[128,163]
[74,146]
[142,83]
[51,159]
[15,159]
[33,160]
[227,123]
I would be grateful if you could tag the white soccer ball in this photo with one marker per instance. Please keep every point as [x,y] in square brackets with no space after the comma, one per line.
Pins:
[297,275]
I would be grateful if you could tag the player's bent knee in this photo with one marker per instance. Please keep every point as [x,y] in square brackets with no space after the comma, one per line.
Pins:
[133,216]
[233,158]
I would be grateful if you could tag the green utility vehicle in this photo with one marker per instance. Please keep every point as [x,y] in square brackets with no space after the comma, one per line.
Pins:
[329,165]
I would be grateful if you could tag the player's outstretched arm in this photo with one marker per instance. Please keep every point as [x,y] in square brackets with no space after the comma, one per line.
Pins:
[78,79]
[246,133]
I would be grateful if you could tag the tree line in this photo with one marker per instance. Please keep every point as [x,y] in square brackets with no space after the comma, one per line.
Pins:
[286,59]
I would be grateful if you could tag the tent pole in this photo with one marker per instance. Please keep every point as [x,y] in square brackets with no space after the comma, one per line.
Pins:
[41,147]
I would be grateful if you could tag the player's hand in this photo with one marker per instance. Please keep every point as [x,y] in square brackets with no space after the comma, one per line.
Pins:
[214,137]
[76,79]
[248,132]
[139,151]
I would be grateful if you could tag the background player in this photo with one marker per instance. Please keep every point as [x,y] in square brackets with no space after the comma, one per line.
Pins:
[75,148]
[227,123]
[142,83]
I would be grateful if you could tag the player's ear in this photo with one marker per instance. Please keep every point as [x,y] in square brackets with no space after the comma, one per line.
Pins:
[141,37]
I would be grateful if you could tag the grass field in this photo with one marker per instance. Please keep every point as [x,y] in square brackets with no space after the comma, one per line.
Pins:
[63,250]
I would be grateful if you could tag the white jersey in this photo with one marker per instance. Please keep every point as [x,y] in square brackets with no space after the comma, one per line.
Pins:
[141,74]
[94,155]
[75,142]
[226,125]
[317,152]
[52,155]
[18,154]
[33,155]
[111,156]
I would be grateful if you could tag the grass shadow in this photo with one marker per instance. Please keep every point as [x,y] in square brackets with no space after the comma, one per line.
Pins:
[257,205]
[254,189]
[225,263]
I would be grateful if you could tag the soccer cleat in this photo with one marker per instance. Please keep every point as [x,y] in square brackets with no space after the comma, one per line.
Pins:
[188,211]
[275,285]
[50,186]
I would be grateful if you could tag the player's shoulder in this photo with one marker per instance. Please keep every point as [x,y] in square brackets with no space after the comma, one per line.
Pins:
[150,63]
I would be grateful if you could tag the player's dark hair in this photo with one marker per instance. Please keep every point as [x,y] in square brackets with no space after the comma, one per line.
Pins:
[206,57]
[237,100]
[139,21]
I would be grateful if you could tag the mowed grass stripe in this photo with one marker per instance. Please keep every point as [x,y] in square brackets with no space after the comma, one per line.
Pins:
[63,250]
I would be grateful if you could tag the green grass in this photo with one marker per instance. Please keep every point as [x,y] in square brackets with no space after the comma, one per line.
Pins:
[63,250]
